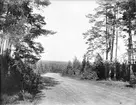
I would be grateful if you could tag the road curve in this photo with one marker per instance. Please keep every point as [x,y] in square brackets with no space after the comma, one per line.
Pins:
[75,92]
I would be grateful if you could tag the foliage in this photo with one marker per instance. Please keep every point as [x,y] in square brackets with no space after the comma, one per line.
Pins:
[72,68]
[68,69]
[109,22]
[76,65]
[50,66]
[100,37]
[100,70]
[99,67]
[19,26]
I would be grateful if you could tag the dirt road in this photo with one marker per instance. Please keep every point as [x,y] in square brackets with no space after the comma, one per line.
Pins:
[75,92]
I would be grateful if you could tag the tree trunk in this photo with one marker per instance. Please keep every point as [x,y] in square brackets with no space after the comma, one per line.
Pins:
[129,47]
[106,44]
[106,36]
[2,46]
[116,50]
[113,36]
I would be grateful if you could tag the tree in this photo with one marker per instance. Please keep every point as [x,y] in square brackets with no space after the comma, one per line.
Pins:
[103,29]
[19,26]
[99,67]
[69,67]
[100,37]
[76,66]
[83,64]
[129,10]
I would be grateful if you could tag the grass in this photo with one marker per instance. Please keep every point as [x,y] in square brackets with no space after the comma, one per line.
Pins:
[48,82]
[117,84]
[8,99]
[28,99]
[15,98]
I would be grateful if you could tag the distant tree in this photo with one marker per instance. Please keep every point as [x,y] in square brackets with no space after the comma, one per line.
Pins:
[76,63]
[69,67]
[83,64]
[76,66]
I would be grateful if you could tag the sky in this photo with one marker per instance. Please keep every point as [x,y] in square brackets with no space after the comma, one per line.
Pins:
[68,19]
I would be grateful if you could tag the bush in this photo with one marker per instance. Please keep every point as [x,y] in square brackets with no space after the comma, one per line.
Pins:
[100,70]
[20,77]
[8,99]
[68,70]
[89,75]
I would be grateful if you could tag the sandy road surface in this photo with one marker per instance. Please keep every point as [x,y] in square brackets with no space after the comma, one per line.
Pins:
[75,92]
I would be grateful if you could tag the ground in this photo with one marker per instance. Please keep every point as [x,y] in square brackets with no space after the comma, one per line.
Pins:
[68,91]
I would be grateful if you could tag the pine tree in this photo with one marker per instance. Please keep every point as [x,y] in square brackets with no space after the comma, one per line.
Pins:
[19,26]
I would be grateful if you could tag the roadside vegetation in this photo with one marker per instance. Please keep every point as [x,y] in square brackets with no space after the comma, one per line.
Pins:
[95,71]
[98,71]
[111,22]
[19,27]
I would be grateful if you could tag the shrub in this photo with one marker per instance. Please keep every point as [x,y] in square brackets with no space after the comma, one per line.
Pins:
[68,70]
[89,75]
[8,99]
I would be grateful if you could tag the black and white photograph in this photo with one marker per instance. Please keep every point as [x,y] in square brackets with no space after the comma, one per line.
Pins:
[67,52]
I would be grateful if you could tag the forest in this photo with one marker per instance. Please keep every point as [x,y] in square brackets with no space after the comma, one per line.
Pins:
[111,22]
[20,64]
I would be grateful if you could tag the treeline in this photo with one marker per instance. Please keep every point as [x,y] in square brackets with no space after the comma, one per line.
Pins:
[111,22]
[99,70]
[73,68]
[19,26]
[50,66]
